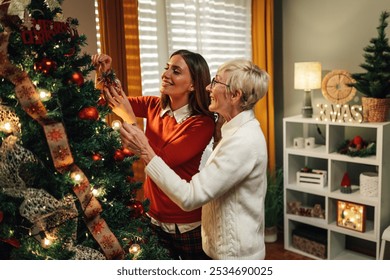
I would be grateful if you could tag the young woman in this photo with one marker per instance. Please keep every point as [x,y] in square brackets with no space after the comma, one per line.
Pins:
[232,185]
[179,127]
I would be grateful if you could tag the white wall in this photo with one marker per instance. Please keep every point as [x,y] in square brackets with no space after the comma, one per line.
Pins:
[84,12]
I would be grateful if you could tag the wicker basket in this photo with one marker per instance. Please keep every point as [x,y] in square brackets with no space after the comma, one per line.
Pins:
[375,109]
[369,183]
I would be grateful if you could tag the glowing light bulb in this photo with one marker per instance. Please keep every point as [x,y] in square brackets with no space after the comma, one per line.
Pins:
[7,127]
[116,125]
[46,242]
[134,249]
[95,191]
[44,94]
[77,177]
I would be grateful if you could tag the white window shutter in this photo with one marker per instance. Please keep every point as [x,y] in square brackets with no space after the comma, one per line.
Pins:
[220,30]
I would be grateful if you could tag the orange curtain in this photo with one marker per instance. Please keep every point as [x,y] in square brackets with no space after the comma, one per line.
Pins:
[262,52]
[112,35]
[119,39]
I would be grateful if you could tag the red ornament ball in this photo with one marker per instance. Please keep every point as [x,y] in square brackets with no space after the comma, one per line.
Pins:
[89,113]
[45,65]
[136,208]
[119,155]
[127,152]
[96,157]
[77,78]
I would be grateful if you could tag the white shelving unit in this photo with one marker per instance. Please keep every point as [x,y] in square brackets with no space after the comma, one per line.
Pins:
[341,243]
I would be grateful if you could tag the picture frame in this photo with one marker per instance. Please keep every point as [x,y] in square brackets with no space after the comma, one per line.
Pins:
[351,215]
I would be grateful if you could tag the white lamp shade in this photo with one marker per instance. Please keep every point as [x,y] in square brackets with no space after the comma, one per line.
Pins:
[307,75]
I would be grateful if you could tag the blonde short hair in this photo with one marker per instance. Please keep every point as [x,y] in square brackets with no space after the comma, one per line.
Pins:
[246,76]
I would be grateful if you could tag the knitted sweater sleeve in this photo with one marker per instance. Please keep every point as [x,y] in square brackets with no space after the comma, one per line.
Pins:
[230,165]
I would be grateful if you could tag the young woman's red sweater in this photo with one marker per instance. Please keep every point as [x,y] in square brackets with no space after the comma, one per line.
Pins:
[180,145]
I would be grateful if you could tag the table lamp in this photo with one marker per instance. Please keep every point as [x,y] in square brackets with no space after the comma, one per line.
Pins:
[307,76]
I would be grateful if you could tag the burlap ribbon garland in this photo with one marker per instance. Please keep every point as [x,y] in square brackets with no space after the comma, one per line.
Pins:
[60,150]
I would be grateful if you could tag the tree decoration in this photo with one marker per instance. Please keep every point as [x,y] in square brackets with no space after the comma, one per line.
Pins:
[135,250]
[18,7]
[44,94]
[357,147]
[86,253]
[45,173]
[106,78]
[97,157]
[345,186]
[127,152]
[89,113]
[77,78]
[44,211]
[12,158]
[9,121]
[358,142]
[116,125]
[119,155]
[136,208]
[45,65]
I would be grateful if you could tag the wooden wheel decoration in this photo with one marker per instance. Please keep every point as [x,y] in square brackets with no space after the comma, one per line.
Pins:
[335,87]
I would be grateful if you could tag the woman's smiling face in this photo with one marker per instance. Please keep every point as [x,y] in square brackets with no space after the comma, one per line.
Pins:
[219,95]
[176,79]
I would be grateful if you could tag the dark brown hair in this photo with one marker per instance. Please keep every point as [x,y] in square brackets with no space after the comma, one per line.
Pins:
[199,99]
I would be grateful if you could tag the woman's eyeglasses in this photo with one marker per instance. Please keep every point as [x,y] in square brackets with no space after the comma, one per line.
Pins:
[214,81]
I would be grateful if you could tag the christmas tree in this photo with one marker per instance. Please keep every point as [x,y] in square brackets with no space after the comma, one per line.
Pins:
[375,82]
[66,184]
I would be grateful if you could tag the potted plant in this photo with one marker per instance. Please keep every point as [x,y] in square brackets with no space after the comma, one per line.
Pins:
[273,205]
[374,84]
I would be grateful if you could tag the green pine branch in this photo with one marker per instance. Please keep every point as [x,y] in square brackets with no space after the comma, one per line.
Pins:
[375,81]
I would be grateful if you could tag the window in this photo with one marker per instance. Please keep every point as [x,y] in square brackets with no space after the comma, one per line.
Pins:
[218,29]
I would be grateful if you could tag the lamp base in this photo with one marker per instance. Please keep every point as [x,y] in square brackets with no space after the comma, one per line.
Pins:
[307,112]
[307,109]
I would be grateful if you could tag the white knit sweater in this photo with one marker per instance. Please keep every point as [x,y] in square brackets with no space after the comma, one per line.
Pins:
[231,187]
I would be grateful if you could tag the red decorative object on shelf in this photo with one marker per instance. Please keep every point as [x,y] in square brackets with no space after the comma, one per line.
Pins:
[345,186]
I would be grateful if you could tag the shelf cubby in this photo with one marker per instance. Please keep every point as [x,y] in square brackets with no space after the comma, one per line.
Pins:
[344,240]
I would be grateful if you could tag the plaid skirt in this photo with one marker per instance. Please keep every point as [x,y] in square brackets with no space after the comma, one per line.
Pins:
[182,246]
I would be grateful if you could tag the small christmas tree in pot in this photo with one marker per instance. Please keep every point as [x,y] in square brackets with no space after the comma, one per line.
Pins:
[374,84]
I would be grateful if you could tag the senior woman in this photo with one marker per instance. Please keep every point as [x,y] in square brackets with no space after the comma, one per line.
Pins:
[231,187]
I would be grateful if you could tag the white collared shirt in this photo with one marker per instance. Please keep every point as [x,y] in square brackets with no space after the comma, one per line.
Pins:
[180,114]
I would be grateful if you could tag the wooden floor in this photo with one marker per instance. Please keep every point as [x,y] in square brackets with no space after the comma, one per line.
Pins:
[276,251]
